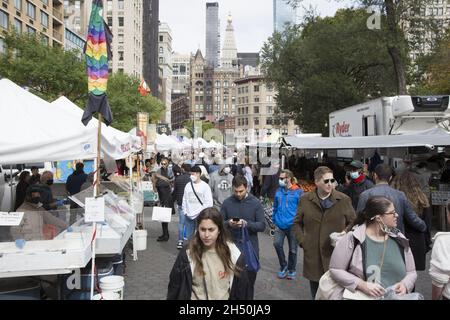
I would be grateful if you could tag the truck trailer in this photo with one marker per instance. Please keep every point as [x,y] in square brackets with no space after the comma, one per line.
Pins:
[391,115]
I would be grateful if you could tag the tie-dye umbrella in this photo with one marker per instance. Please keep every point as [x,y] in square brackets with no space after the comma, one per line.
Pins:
[98,53]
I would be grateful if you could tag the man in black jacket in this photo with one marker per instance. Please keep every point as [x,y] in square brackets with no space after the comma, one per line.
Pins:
[356,183]
[177,194]
[76,179]
[244,210]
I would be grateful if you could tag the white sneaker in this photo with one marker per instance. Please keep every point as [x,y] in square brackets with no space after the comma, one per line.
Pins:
[180,244]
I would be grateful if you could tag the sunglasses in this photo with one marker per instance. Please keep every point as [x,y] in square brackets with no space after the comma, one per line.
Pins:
[327,181]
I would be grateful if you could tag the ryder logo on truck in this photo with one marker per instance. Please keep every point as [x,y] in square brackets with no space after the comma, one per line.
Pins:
[341,130]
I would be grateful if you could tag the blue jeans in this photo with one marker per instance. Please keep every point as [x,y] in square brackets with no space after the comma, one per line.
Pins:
[181,223]
[190,225]
[278,243]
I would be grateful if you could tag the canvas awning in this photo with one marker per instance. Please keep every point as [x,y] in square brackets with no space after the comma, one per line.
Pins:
[33,130]
[115,144]
[430,140]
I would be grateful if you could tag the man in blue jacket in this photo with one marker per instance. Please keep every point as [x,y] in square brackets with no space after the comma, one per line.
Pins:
[284,211]
[244,210]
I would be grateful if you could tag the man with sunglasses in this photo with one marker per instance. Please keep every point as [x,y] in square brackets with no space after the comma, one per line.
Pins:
[320,213]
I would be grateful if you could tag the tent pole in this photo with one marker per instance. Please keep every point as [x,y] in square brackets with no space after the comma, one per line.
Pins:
[96,194]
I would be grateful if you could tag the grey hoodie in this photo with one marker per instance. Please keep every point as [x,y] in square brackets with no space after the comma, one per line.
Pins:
[220,184]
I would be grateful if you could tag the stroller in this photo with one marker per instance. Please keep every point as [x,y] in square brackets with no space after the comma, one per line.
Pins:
[267,205]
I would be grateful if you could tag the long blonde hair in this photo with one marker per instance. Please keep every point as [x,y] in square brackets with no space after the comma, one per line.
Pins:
[408,183]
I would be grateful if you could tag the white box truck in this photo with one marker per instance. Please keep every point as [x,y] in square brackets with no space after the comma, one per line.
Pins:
[391,115]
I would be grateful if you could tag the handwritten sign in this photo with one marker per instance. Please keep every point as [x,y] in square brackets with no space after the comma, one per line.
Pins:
[10,218]
[95,210]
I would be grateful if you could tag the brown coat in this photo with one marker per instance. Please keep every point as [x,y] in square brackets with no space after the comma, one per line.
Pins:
[313,226]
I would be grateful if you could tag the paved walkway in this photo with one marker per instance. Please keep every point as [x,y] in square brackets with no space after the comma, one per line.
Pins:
[148,277]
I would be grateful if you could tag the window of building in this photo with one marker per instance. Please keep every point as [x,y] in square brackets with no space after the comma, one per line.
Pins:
[44,19]
[161,60]
[161,38]
[31,10]
[3,19]
[246,110]
[120,3]
[269,87]
[225,83]
[121,21]
[45,2]
[2,46]
[109,5]
[268,98]
[18,4]
[217,91]
[256,121]
[217,83]
[246,121]
[45,40]
[18,26]
[255,88]
[256,109]
[269,109]
[31,30]
[120,38]
[284,132]
[246,89]
[161,50]
[256,99]
[269,121]
[110,21]
[239,90]
[120,55]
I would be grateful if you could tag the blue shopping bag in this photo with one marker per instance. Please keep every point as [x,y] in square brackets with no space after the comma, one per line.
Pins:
[246,247]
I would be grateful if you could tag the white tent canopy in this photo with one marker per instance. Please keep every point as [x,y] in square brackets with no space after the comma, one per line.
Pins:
[33,130]
[115,144]
[389,141]
[165,143]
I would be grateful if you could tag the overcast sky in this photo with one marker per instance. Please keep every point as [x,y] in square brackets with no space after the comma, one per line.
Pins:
[252,21]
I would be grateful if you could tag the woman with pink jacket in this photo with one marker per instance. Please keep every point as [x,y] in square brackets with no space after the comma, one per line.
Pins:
[374,255]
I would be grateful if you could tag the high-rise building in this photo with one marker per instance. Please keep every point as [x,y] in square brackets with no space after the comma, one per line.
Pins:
[229,57]
[439,12]
[256,106]
[126,24]
[212,34]
[165,62]
[212,91]
[248,59]
[283,13]
[181,73]
[150,44]
[43,17]
[76,15]
[73,41]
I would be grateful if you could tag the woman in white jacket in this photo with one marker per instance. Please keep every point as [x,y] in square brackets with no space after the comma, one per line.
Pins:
[440,264]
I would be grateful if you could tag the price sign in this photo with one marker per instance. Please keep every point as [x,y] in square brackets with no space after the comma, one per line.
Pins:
[10,218]
[95,210]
